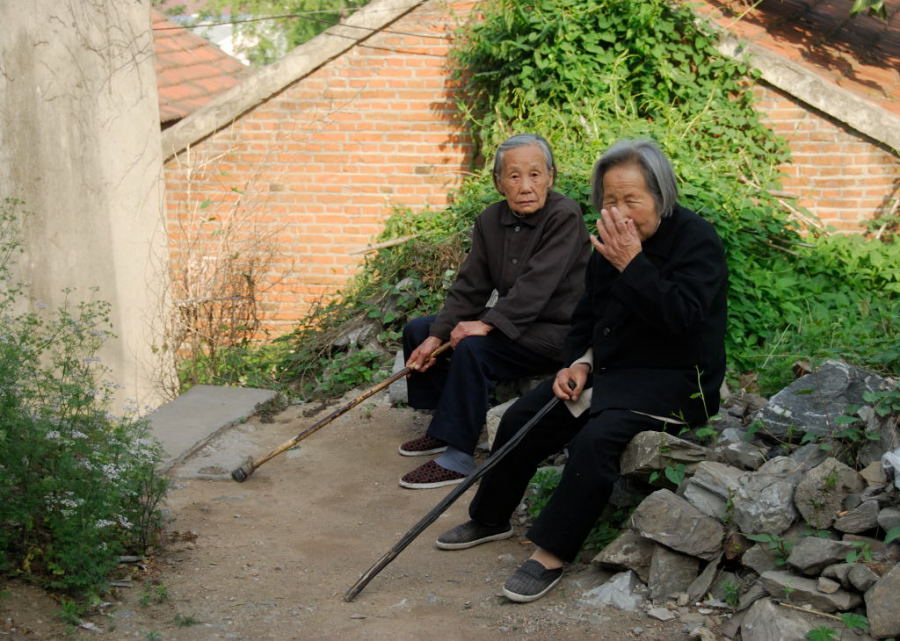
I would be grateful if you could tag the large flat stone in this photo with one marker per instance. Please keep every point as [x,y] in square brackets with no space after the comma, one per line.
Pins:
[881,605]
[672,521]
[800,590]
[189,422]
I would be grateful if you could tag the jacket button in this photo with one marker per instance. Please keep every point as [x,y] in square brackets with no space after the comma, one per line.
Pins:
[517,228]
[606,331]
[515,261]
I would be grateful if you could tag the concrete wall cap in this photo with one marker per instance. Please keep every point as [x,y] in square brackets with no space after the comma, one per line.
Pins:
[869,119]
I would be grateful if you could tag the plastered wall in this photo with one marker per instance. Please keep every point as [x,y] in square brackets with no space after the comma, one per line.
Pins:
[80,145]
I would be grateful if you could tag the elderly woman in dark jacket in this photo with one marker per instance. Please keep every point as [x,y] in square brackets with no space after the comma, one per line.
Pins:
[506,315]
[646,351]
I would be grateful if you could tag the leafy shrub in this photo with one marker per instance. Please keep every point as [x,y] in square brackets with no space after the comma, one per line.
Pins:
[846,305]
[280,26]
[589,73]
[79,486]
[541,488]
[246,363]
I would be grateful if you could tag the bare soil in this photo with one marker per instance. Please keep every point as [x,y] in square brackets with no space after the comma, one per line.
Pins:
[271,558]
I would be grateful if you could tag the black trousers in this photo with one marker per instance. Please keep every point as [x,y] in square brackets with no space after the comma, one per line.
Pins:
[458,387]
[596,441]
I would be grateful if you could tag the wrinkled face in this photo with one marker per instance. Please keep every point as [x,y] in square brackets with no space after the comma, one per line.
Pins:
[524,179]
[625,189]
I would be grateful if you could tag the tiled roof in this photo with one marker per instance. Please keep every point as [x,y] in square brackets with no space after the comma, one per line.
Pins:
[190,70]
[860,54]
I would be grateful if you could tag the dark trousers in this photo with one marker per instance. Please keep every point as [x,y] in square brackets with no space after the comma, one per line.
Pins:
[596,441]
[459,385]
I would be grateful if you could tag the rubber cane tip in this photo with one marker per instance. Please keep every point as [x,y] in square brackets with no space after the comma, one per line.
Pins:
[242,473]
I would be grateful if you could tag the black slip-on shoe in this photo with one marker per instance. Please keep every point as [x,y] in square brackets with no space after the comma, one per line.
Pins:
[470,534]
[530,582]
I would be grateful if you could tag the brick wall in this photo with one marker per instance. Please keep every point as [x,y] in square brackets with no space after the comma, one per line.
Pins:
[842,177]
[310,176]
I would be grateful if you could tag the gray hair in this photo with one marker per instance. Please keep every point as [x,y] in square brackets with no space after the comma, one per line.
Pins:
[657,170]
[521,140]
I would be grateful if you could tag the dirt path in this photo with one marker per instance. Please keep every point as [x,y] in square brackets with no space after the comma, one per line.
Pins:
[271,559]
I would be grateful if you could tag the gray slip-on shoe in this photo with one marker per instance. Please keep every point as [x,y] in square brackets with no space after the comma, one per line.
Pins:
[470,534]
[530,582]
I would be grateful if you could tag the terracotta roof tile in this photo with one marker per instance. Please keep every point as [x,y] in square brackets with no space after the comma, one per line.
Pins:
[190,70]
[860,53]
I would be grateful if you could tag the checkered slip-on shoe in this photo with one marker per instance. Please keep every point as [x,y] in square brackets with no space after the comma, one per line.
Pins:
[530,582]
[470,534]
[422,446]
[430,475]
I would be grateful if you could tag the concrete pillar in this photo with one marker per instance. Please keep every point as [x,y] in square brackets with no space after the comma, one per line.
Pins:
[80,145]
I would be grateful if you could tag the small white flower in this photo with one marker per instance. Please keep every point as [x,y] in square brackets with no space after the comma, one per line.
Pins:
[111,471]
[53,435]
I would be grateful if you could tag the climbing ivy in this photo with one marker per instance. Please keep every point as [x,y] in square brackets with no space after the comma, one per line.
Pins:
[585,73]
[588,73]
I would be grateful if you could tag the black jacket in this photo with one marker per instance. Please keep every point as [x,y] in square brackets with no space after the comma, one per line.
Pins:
[535,262]
[657,328]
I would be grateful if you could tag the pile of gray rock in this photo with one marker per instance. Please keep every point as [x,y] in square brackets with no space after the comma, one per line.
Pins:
[780,523]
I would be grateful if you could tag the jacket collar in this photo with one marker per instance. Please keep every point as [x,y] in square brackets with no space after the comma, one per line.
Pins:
[660,243]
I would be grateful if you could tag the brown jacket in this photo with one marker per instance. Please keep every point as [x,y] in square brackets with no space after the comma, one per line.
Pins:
[536,263]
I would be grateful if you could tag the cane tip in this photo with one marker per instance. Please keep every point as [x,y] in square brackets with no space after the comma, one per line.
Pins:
[242,473]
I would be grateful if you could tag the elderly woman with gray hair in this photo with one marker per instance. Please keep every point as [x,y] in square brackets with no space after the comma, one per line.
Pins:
[645,350]
[506,315]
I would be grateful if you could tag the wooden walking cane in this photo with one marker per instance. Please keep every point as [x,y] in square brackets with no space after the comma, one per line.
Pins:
[447,501]
[242,473]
